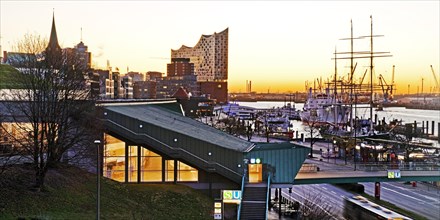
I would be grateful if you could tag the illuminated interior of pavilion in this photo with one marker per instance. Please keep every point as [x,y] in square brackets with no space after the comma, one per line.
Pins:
[130,163]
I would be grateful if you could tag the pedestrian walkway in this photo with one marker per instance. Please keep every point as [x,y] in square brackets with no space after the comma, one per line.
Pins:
[272,215]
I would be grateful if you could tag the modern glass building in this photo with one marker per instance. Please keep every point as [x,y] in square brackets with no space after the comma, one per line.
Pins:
[209,56]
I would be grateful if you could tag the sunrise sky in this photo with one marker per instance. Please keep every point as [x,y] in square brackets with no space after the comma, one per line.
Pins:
[276,44]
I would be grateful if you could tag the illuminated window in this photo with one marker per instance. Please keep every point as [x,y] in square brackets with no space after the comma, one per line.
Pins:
[151,166]
[132,163]
[255,173]
[169,170]
[186,172]
[114,158]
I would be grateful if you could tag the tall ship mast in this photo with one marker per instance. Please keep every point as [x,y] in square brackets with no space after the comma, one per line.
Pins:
[346,91]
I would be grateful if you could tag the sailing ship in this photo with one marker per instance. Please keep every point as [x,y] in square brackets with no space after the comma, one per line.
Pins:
[336,109]
[325,108]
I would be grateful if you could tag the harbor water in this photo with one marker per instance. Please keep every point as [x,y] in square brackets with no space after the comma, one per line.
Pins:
[363,111]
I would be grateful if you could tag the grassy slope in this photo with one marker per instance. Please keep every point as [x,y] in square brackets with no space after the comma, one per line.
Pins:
[7,76]
[71,194]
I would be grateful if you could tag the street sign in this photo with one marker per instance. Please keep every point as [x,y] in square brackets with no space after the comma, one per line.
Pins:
[218,209]
[231,196]
[217,216]
[393,174]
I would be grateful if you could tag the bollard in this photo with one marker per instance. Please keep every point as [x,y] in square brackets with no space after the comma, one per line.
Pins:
[427,127]
[375,119]
[377,190]
[415,127]
[432,127]
[438,132]
[423,127]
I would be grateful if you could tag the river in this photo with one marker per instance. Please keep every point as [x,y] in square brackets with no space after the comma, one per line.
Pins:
[362,111]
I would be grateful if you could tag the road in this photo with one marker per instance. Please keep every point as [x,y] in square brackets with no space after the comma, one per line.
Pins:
[324,195]
[423,199]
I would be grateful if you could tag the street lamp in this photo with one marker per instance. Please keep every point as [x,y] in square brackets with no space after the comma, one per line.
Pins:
[328,152]
[98,185]
[355,151]
[334,150]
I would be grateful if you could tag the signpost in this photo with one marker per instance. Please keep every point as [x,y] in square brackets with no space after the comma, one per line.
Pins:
[218,210]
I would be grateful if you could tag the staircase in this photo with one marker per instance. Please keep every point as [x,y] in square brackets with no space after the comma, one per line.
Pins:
[253,203]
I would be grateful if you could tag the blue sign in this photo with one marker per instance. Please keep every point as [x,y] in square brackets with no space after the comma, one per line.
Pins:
[393,174]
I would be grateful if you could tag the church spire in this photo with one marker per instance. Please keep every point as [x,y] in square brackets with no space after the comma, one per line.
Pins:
[53,41]
[53,49]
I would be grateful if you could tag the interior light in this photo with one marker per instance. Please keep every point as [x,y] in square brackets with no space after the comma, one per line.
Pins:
[252,160]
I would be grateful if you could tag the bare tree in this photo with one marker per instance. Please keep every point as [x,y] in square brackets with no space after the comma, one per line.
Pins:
[312,127]
[313,206]
[50,106]
[405,134]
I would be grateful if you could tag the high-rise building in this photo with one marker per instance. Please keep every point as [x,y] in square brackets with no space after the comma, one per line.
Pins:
[106,84]
[210,59]
[85,57]
[209,56]
[180,67]
[127,87]
[167,86]
[144,89]
[152,75]
[137,76]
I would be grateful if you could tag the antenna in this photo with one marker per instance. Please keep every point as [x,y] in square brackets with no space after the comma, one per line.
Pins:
[81,34]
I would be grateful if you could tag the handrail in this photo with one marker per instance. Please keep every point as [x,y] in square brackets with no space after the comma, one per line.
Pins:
[170,147]
[242,193]
[267,196]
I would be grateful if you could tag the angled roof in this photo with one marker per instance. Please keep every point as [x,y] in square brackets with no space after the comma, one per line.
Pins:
[161,116]
[53,40]
[204,36]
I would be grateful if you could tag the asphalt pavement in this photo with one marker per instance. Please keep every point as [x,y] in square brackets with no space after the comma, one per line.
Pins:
[424,199]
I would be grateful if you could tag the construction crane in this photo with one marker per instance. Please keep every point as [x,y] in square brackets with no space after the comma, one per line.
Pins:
[437,87]
[386,93]
[392,84]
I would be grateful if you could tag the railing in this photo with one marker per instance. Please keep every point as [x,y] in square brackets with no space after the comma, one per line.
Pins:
[405,166]
[242,193]
[267,196]
[175,149]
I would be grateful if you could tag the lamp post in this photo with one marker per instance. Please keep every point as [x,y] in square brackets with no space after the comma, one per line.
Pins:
[334,150]
[209,174]
[355,151]
[328,152]
[345,151]
[98,185]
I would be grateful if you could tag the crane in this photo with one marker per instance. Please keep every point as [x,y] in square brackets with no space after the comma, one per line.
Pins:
[435,80]
[392,84]
[383,83]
